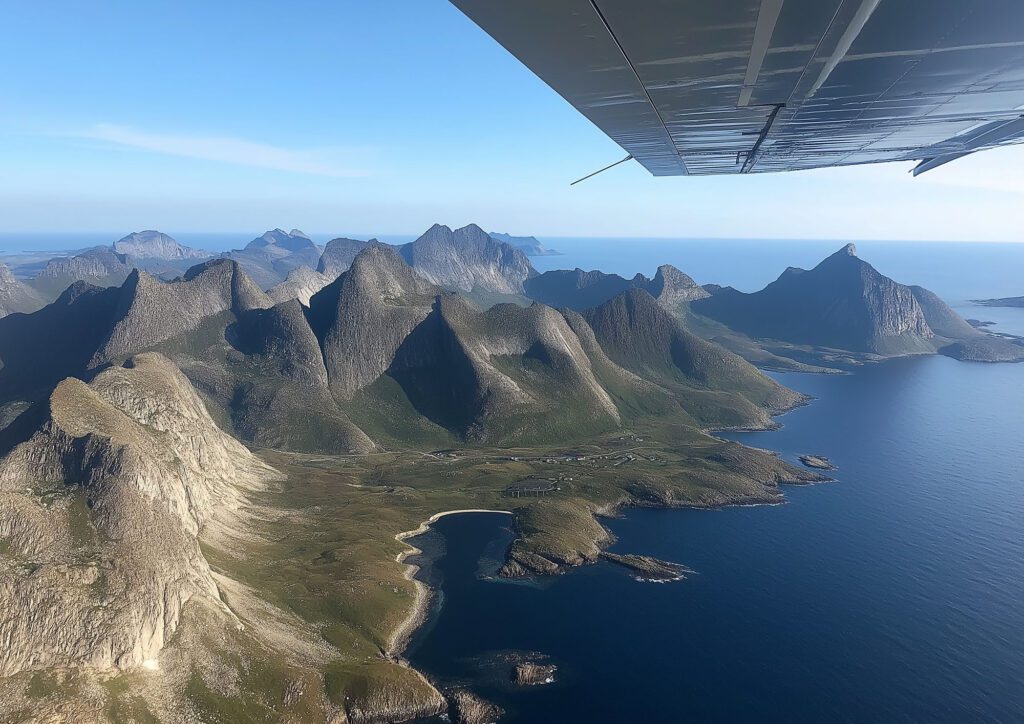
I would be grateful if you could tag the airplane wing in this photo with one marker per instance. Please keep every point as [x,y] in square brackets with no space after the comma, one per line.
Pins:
[748,86]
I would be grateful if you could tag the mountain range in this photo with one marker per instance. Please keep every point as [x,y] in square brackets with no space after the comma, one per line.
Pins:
[139,536]
[383,353]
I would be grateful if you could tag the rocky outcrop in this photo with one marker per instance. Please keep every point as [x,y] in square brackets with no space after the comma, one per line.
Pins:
[468,708]
[103,502]
[672,288]
[156,245]
[338,255]
[301,283]
[468,259]
[843,303]
[16,296]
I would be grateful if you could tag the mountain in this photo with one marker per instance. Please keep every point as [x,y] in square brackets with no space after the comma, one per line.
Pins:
[382,355]
[529,245]
[100,265]
[156,245]
[259,368]
[843,303]
[301,283]
[717,388]
[468,259]
[580,290]
[338,255]
[1003,302]
[269,258]
[16,296]
[108,488]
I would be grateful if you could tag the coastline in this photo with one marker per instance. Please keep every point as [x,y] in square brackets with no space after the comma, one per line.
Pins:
[421,604]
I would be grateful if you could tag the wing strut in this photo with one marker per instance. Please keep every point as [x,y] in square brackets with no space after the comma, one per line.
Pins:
[602,170]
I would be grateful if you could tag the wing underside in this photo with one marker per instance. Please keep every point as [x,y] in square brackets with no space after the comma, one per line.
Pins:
[746,86]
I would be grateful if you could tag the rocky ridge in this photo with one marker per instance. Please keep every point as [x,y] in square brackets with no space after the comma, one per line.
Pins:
[103,503]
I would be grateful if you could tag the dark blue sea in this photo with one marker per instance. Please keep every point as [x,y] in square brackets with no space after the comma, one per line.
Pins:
[893,594]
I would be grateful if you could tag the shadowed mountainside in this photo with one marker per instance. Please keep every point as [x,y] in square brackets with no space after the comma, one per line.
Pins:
[580,290]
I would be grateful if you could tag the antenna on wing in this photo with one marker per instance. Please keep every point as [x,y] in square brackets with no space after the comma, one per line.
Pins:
[601,170]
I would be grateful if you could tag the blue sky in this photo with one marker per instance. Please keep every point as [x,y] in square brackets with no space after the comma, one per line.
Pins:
[382,116]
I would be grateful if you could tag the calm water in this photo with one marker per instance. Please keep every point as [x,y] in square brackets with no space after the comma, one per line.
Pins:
[895,594]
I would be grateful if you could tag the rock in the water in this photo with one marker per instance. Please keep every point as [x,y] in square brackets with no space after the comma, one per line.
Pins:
[818,462]
[647,568]
[531,674]
[468,708]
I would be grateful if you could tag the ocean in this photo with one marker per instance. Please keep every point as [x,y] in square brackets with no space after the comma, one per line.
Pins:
[893,594]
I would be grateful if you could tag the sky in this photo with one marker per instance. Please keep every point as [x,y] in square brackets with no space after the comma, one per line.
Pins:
[383,117]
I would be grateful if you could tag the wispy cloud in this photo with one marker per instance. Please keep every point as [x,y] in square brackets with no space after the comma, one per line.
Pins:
[225,149]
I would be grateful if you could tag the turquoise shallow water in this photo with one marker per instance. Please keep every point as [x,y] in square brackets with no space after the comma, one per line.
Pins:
[894,594]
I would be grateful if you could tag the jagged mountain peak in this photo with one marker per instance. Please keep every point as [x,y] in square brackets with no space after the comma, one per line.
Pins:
[468,259]
[844,255]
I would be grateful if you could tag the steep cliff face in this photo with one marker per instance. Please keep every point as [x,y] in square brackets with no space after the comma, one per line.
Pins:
[156,245]
[466,259]
[842,303]
[16,296]
[102,506]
